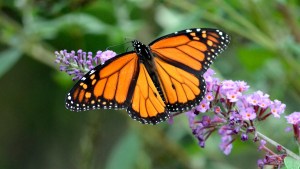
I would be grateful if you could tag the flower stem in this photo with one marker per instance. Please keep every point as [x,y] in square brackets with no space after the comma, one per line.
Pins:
[274,143]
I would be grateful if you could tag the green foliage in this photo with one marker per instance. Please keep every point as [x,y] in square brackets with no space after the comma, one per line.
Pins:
[125,153]
[249,53]
[291,163]
[37,131]
[48,29]
[7,60]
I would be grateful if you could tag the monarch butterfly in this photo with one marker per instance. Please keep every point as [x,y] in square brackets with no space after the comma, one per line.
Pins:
[152,81]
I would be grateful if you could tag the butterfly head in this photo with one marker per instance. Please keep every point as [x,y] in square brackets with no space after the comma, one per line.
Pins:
[141,49]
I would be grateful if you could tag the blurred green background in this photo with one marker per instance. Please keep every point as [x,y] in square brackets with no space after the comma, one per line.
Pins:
[38,132]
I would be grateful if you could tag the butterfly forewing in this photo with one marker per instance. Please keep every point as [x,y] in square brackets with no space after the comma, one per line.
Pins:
[191,49]
[106,86]
[180,59]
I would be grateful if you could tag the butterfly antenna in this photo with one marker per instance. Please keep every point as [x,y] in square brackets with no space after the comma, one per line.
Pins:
[109,47]
[127,49]
[128,39]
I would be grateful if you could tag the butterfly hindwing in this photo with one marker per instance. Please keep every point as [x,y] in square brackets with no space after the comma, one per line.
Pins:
[182,90]
[106,86]
[146,105]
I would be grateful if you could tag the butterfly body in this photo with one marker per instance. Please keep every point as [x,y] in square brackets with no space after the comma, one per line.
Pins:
[142,50]
[153,80]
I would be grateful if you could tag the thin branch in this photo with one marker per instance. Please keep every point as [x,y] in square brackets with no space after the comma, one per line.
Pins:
[274,143]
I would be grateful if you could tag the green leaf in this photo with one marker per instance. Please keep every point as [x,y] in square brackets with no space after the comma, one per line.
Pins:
[254,57]
[125,153]
[8,59]
[190,20]
[86,23]
[291,163]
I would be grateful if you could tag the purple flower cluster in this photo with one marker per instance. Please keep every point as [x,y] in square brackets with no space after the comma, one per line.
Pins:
[294,119]
[270,158]
[233,111]
[78,64]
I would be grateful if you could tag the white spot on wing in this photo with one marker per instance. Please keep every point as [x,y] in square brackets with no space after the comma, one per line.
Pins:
[92,71]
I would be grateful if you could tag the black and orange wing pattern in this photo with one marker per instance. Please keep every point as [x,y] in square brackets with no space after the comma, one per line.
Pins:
[146,104]
[182,90]
[153,80]
[180,60]
[120,83]
[105,86]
